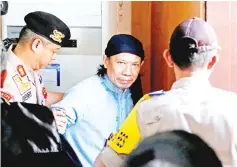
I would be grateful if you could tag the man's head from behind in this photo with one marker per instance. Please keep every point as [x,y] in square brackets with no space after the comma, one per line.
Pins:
[193,47]
[42,37]
[173,149]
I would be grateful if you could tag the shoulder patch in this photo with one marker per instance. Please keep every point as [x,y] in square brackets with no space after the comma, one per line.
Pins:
[7,97]
[157,93]
[128,136]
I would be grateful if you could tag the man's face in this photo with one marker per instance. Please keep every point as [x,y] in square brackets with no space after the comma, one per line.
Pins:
[50,54]
[123,69]
[46,53]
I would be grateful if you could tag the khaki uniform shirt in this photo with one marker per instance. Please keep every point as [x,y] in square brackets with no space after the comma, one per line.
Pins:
[192,105]
[22,84]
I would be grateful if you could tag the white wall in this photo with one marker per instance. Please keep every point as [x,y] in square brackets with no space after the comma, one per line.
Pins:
[76,13]
[116,18]
[74,68]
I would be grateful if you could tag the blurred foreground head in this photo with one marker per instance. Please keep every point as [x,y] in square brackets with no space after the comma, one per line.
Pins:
[173,149]
[29,138]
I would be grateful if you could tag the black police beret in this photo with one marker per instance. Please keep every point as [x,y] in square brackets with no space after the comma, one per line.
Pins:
[48,26]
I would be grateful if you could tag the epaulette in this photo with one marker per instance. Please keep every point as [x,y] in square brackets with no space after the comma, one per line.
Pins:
[157,93]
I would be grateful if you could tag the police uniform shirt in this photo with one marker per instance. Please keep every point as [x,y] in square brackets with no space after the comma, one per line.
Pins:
[192,105]
[22,84]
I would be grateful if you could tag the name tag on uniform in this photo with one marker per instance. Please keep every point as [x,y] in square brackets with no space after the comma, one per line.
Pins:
[26,96]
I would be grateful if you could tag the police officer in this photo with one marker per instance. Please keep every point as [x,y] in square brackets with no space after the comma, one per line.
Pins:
[37,47]
[192,104]
[29,134]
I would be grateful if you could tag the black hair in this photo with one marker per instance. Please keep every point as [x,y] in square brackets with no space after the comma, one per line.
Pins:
[186,53]
[182,55]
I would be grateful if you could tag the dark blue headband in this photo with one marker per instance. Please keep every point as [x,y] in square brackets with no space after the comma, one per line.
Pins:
[124,43]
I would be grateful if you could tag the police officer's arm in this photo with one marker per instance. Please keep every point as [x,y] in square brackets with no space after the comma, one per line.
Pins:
[53,97]
[5,94]
[124,141]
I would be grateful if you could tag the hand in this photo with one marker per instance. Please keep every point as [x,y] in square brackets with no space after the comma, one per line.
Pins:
[61,120]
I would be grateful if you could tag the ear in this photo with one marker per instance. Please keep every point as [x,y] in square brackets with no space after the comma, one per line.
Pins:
[168,59]
[213,62]
[142,62]
[106,61]
[37,45]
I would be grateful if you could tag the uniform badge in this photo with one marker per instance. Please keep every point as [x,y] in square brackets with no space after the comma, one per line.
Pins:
[128,136]
[57,36]
[7,97]
[44,92]
[21,85]
[21,71]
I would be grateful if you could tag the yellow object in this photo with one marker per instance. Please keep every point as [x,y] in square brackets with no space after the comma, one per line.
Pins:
[126,139]
[21,85]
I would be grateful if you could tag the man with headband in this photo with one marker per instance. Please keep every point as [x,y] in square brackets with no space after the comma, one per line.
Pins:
[192,104]
[97,106]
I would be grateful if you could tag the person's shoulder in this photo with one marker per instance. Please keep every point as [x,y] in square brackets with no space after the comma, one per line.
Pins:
[11,62]
[225,100]
[157,101]
[6,95]
[220,94]
[157,93]
[151,95]
[6,58]
[160,97]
